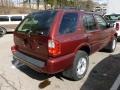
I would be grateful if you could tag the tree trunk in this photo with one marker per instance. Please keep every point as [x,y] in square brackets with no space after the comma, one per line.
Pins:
[45,4]
[2,3]
[38,3]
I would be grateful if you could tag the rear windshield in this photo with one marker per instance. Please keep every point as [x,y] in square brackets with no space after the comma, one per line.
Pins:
[37,23]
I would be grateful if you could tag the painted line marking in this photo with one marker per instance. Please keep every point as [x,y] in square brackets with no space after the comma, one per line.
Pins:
[116,84]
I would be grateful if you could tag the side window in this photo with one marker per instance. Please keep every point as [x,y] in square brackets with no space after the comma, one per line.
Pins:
[101,22]
[4,18]
[68,23]
[89,22]
[16,18]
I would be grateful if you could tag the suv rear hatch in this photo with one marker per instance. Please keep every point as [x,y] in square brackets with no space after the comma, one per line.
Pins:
[31,36]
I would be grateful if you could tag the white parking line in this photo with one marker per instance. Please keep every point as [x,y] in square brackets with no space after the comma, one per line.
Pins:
[116,84]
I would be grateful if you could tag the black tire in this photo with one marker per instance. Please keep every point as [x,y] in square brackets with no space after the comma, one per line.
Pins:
[118,38]
[3,31]
[112,45]
[81,59]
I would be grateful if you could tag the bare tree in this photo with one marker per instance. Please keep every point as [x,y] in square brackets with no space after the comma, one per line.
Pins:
[2,1]
[38,3]
[29,1]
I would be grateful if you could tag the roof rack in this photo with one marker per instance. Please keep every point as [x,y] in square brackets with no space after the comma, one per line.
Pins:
[66,7]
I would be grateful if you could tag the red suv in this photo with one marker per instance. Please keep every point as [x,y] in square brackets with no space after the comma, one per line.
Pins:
[61,40]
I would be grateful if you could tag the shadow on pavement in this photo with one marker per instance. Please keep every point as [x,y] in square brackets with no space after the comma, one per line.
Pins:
[9,33]
[31,73]
[36,75]
[1,35]
[104,74]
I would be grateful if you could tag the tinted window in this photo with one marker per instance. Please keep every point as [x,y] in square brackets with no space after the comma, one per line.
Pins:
[89,22]
[38,23]
[16,18]
[101,22]
[4,18]
[113,17]
[68,23]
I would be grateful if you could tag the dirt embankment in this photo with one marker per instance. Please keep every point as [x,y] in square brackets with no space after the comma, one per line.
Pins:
[15,10]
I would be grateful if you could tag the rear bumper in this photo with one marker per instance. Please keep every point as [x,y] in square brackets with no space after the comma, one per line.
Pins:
[50,66]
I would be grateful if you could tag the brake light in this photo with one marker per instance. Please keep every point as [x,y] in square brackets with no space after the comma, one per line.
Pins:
[117,26]
[14,49]
[54,48]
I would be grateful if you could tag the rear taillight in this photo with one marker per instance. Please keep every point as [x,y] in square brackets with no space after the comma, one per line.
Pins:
[54,48]
[14,49]
[117,26]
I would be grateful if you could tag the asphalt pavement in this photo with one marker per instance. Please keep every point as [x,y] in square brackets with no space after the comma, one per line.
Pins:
[103,73]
